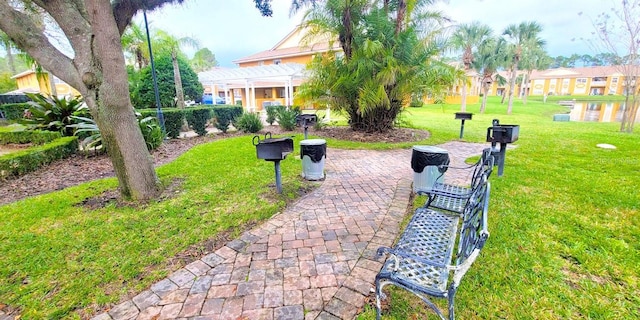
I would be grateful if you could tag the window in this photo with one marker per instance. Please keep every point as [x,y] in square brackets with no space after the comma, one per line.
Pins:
[277,61]
[260,63]
[581,80]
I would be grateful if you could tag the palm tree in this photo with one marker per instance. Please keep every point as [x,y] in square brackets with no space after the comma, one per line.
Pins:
[170,44]
[382,66]
[134,42]
[491,55]
[521,37]
[532,59]
[468,38]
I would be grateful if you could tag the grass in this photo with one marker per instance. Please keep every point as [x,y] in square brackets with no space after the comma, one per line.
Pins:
[58,256]
[564,223]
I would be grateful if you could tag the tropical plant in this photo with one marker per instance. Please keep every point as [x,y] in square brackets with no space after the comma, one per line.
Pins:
[490,56]
[93,30]
[272,113]
[52,113]
[249,122]
[169,44]
[532,59]
[468,38]
[384,60]
[203,60]
[91,138]
[134,43]
[521,37]
[144,95]
[286,118]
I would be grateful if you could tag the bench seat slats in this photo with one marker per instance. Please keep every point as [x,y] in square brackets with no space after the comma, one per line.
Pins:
[430,236]
[450,197]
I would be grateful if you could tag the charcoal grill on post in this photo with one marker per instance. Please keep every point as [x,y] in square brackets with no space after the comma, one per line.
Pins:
[463,116]
[502,134]
[273,149]
[306,120]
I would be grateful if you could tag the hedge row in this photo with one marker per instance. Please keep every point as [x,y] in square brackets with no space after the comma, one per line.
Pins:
[197,117]
[22,137]
[18,163]
[14,111]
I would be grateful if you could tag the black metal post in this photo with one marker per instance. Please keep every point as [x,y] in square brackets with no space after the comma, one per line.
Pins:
[462,129]
[278,176]
[305,130]
[153,74]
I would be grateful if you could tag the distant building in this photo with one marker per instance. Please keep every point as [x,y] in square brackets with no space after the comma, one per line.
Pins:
[598,80]
[31,81]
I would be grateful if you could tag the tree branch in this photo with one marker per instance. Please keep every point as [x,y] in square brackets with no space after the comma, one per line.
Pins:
[124,10]
[28,36]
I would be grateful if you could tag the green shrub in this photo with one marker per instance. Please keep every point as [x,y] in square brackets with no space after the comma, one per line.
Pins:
[249,122]
[225,115]
[416,103]
[151,131]
[287,118]
[14,111]
[53,114]
[173,118]
[22,137]
[197,118]
[18,163]
[272,113]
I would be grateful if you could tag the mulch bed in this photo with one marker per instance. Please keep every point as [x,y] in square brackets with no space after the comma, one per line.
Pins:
[80,168]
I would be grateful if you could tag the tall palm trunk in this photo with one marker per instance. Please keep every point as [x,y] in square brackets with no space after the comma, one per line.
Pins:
[178,80]
[485,92]
[463,98]
[512,85]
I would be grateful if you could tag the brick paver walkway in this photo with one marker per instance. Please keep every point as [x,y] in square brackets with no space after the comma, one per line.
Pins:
[316,260]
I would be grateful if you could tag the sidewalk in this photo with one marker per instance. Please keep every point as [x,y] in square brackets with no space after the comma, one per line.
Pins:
[316,260]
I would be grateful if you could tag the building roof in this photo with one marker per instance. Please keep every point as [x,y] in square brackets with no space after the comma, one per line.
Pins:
[242,76]
[580,72]
[292,45]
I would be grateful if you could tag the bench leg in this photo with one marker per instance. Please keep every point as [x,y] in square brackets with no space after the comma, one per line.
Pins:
[379,296]
[451,296]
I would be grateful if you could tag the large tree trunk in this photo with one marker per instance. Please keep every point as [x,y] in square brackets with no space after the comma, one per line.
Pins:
[107,97]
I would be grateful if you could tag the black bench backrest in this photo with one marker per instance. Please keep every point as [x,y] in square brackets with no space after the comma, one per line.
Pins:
[482,169]
[474,232]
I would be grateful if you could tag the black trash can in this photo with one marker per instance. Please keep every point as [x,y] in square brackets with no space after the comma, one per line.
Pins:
[313,153]
[425,162]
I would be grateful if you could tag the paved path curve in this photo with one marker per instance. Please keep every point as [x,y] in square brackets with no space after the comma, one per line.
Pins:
[316,260]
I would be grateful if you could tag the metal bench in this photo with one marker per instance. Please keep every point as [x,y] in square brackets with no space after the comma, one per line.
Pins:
[435,251]
[451,197]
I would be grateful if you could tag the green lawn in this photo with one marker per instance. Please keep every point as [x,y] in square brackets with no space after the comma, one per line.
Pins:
[564,223]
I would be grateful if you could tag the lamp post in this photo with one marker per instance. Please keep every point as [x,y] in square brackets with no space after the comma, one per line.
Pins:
[153,74]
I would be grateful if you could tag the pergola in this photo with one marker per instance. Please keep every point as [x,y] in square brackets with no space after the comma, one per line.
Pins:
[285,75]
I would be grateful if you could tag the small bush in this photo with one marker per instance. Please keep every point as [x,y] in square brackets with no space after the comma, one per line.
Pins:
[249,122]
[416,104]
[272,113]
[173,118]
[22,137]
[18,163]
[225,115]
[151,131]
[14,111]
[197,118]
[287,118]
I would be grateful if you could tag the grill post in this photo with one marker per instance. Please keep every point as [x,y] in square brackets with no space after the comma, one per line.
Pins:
[278,176]
[502,134]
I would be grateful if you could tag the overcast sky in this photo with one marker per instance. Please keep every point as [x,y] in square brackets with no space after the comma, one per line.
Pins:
[233,29]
